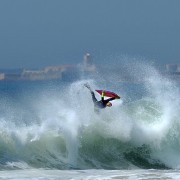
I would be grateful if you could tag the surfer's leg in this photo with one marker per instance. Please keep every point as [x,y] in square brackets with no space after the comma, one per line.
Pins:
[93,97]
[92,94]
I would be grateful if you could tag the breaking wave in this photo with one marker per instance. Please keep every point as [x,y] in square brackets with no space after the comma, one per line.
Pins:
[55,126]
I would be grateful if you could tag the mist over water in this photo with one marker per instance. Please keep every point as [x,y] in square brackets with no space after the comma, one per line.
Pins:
[53,125]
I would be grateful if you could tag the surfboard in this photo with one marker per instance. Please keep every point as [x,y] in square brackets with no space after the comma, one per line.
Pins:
[108,93]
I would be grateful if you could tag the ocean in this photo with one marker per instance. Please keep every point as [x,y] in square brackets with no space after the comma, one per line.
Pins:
[49,130]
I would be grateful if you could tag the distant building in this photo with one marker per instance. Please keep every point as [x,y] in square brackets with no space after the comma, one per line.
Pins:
[87,63]
[63,72]
[12,76]
[2,76]
[171,67]
[70,73]
[50,72]
[32,75]
[178,69]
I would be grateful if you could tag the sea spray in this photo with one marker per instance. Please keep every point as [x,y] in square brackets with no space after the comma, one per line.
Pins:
[56,127]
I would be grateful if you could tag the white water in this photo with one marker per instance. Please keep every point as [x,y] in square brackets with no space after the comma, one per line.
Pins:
[90,174]
[63,127]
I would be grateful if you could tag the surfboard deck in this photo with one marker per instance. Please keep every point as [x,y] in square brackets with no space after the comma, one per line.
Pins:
[108,93]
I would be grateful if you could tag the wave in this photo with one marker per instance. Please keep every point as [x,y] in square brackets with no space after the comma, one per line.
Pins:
[58,128]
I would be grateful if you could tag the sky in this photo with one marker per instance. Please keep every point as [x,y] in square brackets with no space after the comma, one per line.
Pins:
[38,33]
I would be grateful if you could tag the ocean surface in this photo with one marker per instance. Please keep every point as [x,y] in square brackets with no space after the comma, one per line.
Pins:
[49,130]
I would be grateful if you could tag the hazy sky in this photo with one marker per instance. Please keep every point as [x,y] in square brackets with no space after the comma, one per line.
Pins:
[37,33]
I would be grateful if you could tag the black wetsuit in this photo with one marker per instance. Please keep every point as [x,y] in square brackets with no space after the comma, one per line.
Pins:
[102,103]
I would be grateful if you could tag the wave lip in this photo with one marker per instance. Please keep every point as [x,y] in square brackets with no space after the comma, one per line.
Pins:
[58,129]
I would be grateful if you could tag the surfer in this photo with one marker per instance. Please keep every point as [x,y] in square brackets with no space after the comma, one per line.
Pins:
[102,103]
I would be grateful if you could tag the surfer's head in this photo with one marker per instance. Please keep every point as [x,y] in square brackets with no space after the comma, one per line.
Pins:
[109,104]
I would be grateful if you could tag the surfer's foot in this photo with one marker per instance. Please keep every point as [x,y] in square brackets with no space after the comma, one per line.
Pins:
[87,85]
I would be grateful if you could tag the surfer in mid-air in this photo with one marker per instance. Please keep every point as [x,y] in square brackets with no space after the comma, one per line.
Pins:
[103,103]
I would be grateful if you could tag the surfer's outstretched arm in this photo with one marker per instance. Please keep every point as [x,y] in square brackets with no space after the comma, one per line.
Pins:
[110,99]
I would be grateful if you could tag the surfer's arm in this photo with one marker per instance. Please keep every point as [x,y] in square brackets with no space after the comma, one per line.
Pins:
[110,99]
[107,100]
